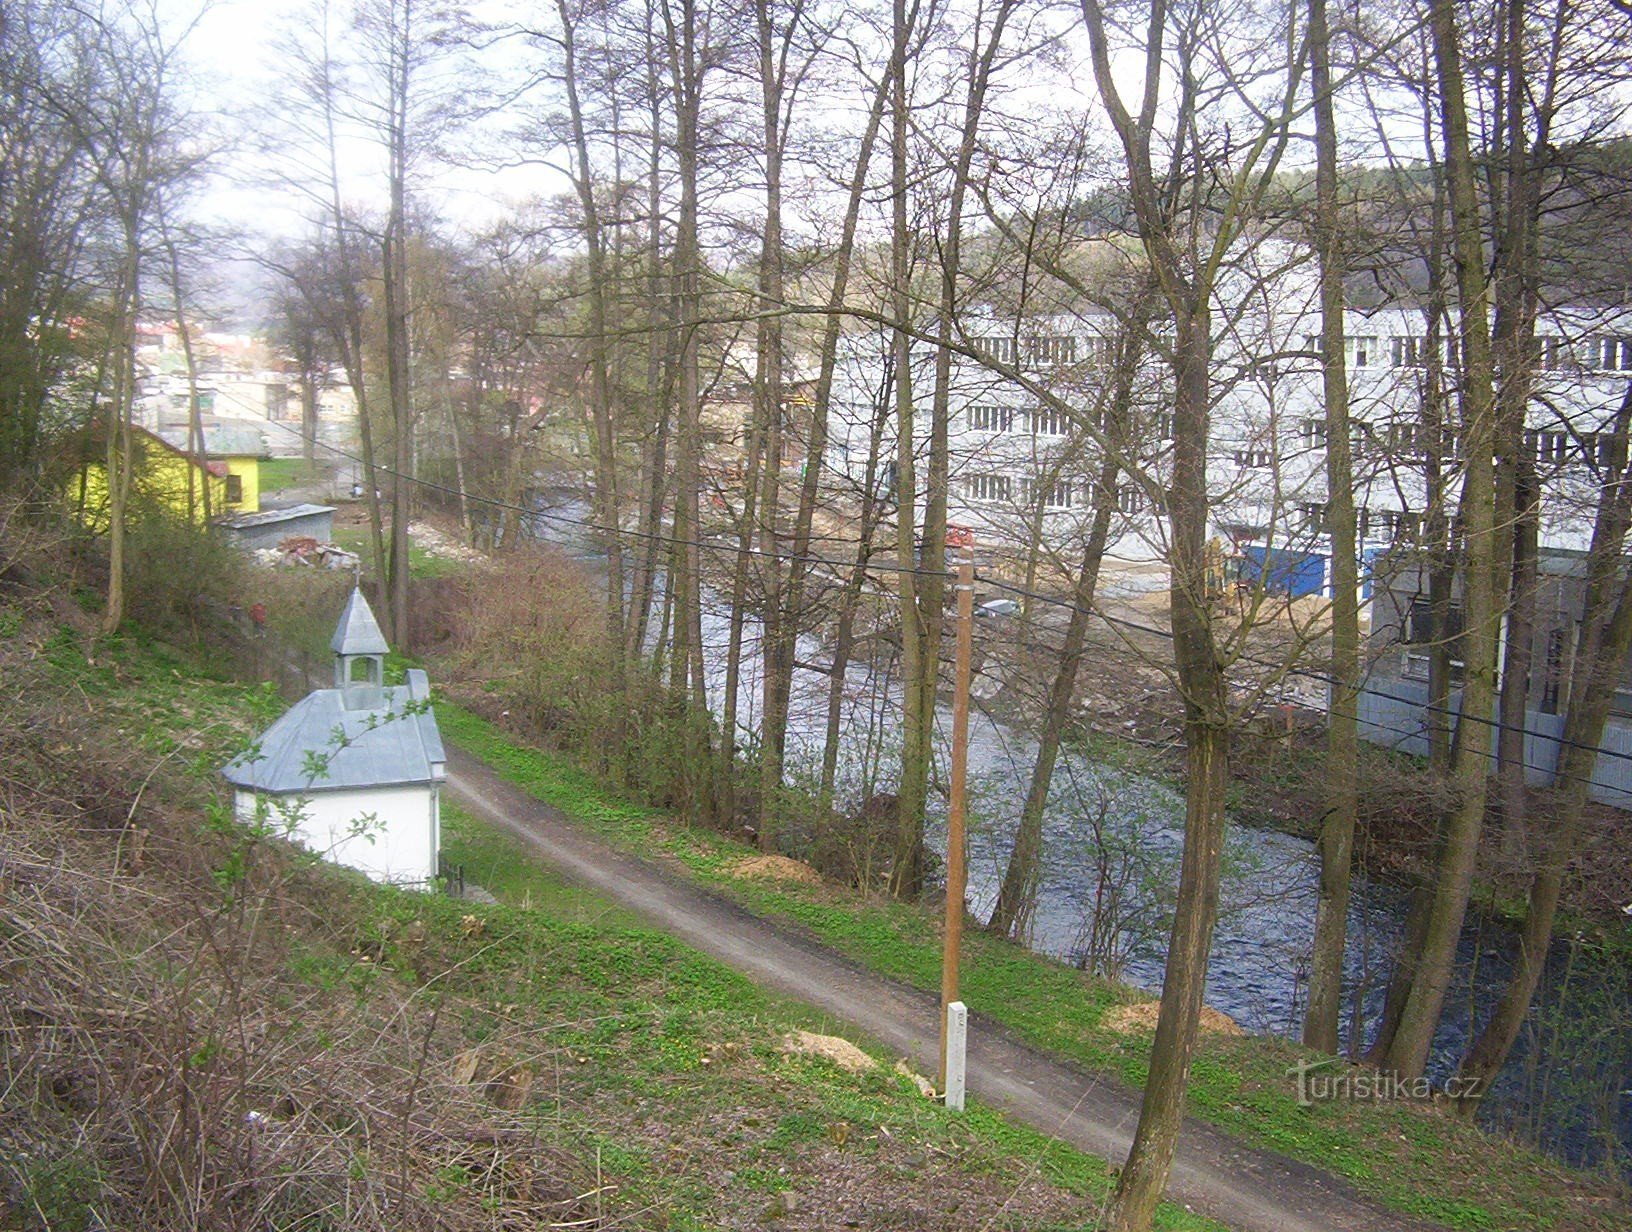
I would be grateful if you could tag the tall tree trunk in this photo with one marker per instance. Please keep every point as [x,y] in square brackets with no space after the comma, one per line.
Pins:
[1517,293]
[1442,541]
[347,329]
[451,410]
[119,459]
[927,551]
[659,335]
[686,578]
[1336,843]
[195,420]
[777,634]
[849,599]
[907,866]
[1187,280]
[1206,727]
[725,776]
[1017,896]
[1602,647]
[398,391]
[1419,1018]
[816,444]
[398,371]
[308,417]
[1404,971]
[608,508]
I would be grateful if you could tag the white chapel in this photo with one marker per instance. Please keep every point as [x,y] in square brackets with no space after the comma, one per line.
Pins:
[353,772]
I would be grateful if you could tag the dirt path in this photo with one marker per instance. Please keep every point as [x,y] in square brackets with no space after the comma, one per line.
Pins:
[1250,1190]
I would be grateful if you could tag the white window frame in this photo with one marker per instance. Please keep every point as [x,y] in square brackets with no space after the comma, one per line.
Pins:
[988,488]
[988,417]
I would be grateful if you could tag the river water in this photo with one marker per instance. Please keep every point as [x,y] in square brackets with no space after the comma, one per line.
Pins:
[1111,850]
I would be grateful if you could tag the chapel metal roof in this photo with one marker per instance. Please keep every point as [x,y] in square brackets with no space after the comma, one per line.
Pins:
[319,745]
[358,633]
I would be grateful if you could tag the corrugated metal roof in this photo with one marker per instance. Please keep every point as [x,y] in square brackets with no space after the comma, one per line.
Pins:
[267,517]
[358,633]
[319,745]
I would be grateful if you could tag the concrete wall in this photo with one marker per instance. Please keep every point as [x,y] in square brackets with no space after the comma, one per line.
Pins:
[1392,714]
[319,526]
[399,845]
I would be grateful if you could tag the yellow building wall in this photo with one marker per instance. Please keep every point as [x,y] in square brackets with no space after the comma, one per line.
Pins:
[248,471]
[161,478]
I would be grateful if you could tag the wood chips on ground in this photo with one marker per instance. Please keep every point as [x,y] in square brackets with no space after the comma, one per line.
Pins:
[1126,1019]
[776,868]
[841,1052]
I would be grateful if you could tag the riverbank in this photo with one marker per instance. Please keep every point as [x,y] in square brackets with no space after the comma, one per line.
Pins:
[1411,1154]
[1123,716]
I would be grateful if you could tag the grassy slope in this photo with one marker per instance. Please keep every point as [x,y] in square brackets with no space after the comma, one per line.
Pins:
[280,473]
[546,1058]
[1413,1157]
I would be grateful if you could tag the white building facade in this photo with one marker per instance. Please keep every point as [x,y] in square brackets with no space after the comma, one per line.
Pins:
[1035,407]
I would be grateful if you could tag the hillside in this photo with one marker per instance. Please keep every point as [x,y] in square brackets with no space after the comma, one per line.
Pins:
[203,1028]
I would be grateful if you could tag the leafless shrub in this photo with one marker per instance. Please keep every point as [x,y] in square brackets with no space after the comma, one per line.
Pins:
[196,1030]
[533,651]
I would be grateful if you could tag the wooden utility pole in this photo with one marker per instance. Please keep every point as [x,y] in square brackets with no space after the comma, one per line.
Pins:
[956,866]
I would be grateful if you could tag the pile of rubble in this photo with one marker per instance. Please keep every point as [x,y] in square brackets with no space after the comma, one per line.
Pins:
[440,543]
[306,552]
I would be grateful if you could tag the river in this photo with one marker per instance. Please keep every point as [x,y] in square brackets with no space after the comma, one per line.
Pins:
[1111,851]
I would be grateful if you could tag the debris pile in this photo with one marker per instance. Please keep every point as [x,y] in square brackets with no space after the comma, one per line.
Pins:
[305,551]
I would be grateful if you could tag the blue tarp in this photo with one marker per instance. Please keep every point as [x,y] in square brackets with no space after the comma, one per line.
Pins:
[1285,573]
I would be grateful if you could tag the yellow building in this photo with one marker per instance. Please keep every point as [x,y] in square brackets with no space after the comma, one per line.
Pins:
[166,476]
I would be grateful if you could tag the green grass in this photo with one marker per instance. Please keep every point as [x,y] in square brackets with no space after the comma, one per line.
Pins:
[422,563]
[1415,1159]
[706,1004]
[659,1070]
[280,473]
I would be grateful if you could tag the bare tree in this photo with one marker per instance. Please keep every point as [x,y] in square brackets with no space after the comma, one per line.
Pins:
[126,127]
[1336,843]
[49,210]
[1185,260]
[1483,562]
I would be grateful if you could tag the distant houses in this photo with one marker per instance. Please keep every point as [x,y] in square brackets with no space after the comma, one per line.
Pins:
[1057,417]
[240,383]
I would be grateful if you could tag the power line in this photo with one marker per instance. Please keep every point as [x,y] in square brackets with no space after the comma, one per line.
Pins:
[870,565]
[1330,681]
[621,532]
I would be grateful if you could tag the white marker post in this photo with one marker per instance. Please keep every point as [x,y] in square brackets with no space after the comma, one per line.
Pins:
[957,1044]
[957,860]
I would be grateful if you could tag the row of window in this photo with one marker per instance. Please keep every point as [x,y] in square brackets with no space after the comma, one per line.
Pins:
[1412,438]
[1049,422]
[1392,525]
[1603,353]
[1059,494]
[1036,422]
[1555,448]
[1034,349]
[1096,349]
[1398,437]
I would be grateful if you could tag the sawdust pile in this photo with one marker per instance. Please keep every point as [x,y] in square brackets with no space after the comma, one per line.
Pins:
[776,868]
[1128,1019]
[841,1052]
